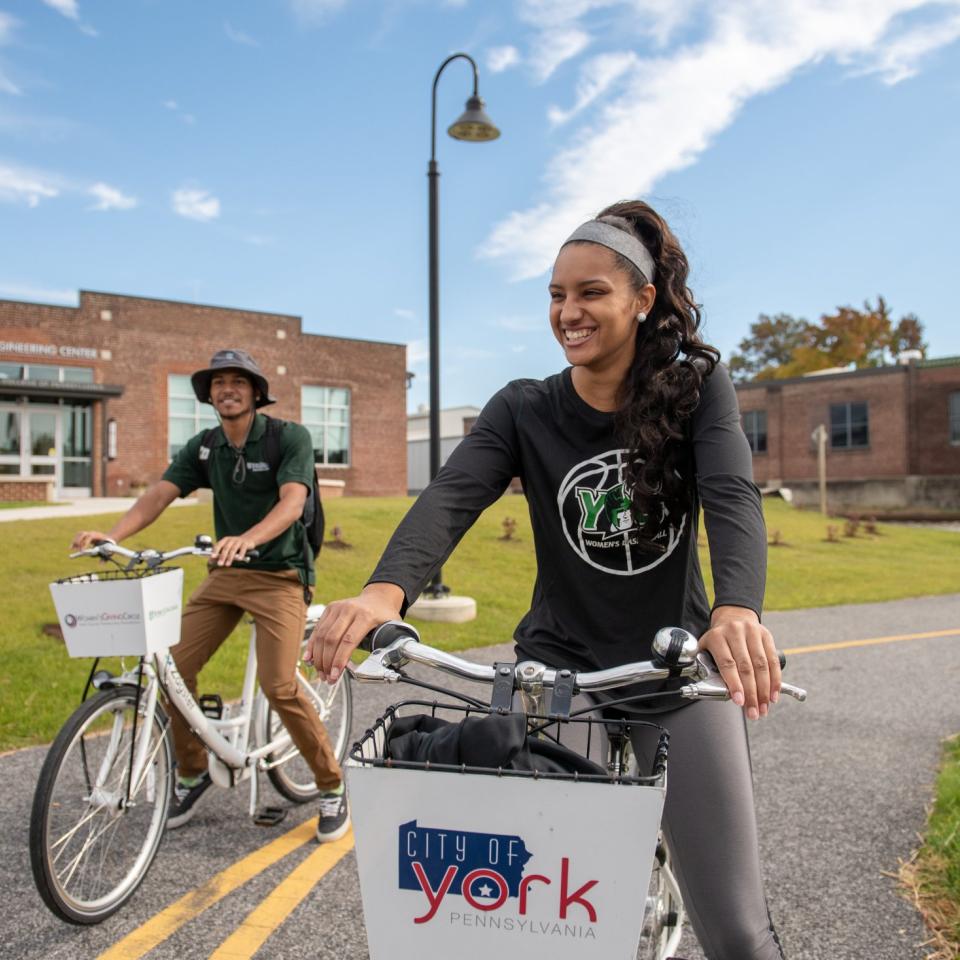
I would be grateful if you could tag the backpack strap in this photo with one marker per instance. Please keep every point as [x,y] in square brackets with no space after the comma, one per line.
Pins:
[271,442]
[205,452]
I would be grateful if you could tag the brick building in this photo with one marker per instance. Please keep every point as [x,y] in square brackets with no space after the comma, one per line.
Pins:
[893,434]
[96,399]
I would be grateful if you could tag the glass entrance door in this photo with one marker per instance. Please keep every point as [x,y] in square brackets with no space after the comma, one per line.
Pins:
[46,440]
[76,478]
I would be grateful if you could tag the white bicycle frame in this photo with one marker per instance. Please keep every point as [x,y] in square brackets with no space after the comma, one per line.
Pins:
[227,739]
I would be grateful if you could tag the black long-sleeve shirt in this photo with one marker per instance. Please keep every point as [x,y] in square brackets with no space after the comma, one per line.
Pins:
[602,588]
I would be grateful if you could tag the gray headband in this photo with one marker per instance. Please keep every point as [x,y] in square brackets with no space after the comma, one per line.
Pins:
[627,245]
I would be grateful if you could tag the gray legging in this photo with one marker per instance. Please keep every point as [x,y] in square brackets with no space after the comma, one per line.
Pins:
[710,826]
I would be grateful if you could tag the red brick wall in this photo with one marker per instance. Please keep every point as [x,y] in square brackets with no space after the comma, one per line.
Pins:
[795,407]
[148,339]
[12,491]
[932,453]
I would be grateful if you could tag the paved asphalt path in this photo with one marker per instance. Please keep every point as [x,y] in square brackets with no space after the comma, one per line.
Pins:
[842,785]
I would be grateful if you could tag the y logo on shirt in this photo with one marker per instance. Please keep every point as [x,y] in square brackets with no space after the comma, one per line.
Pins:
[600,523]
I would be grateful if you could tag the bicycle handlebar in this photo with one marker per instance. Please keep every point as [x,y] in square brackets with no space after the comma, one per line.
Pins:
[395,644]
[202,547]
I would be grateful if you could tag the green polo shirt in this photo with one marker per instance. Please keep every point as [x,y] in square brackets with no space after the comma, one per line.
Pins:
[242,499]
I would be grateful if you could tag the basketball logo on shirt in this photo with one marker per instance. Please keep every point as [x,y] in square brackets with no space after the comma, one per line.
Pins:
[600,523]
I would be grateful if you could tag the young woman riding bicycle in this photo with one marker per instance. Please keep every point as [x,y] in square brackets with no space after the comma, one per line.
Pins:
[618,453]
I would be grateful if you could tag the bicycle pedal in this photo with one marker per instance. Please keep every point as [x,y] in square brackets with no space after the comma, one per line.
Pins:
[212,705]
[269,816]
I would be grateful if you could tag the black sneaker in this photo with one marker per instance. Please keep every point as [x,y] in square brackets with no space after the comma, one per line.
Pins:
[334,820]
[184,799]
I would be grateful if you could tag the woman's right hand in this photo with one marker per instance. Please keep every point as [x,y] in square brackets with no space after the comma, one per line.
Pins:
[344,624]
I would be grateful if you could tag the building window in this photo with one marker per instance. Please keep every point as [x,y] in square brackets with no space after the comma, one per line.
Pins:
[955,417]
[755,427]
[186,415]
[849,426]
[325,412]
[45,372]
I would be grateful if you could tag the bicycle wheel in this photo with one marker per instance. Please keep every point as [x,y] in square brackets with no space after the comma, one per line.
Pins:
[89,847]
[292,777]
[662,913]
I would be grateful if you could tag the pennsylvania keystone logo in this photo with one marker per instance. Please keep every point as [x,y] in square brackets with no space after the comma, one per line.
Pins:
[600,523]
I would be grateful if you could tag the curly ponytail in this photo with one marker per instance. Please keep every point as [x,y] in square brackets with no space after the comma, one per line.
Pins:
[662,388]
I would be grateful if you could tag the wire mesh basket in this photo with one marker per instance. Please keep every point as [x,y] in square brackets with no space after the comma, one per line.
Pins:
[587,736]
[119,612]
[476,861]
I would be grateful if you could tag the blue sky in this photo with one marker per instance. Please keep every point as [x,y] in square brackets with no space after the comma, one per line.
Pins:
[271,154]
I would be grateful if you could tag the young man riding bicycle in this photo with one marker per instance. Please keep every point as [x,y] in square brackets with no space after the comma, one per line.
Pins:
[256,508]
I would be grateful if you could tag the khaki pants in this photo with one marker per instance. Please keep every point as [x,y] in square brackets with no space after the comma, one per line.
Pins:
[275,600]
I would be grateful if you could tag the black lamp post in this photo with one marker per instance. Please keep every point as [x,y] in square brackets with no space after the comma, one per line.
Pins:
[474,125]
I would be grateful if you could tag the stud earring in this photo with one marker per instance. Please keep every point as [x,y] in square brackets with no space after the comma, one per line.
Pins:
[641,316]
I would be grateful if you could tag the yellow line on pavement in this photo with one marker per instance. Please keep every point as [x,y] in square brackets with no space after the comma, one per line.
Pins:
[247,939]
[168,921]
[843,644]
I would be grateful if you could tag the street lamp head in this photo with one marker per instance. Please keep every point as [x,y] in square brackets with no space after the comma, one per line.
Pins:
[474,124]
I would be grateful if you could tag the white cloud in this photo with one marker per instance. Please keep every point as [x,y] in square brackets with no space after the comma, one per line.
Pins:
[19,291]
[26,186]
[238,36]
[8,86]
[174,107]
[110,198]
[7,25]
[315,11]
[900,59]
[523,324]
[664,111]
[596,78]
[553,49]
[502,58]
[68,8]
[259,240]
[418,352]
[196,204]
[404,313]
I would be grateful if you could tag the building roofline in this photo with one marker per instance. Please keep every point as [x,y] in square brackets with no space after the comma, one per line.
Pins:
[209,306]
[824,377]
[187,303]
[939,362]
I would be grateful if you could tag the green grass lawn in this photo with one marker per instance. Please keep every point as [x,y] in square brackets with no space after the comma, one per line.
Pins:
[932,878]
[40,684]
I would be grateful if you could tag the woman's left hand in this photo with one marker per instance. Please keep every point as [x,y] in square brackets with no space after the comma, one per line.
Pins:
[746,657]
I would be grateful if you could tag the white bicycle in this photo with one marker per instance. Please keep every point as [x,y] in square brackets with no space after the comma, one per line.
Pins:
[508,852]
[100,805]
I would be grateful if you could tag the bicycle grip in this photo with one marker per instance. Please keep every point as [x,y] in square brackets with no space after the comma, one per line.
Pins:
[387,633]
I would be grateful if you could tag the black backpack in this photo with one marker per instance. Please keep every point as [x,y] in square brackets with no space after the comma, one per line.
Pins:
[312,516]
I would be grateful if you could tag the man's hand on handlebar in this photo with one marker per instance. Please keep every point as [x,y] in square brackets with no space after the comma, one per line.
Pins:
[345,623]
[89,538]
[230,549]
[746,656]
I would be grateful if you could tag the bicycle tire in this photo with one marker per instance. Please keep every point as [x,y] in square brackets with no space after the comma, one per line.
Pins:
[662,913]
[293,778]
[89,849]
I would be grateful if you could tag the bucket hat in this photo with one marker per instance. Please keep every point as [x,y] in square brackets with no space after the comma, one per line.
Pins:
[231,360]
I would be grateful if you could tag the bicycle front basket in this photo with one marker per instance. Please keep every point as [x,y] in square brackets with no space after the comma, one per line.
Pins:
[474,863]
[119,613]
